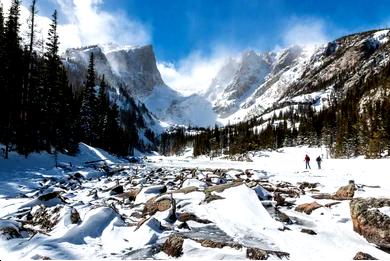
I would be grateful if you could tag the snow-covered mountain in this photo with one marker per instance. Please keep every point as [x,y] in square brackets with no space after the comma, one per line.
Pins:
[245,87]
[257,83]
[237,80]
[132,72]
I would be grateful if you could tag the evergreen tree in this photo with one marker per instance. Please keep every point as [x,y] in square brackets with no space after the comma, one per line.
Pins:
[57,105]
[3,97]
[102,111]
[12,80]
[88,106]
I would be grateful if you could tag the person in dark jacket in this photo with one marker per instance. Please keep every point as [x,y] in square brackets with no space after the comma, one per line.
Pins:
[318,159]
[307,160]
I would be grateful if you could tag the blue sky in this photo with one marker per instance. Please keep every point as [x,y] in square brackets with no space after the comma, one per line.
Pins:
[178,27]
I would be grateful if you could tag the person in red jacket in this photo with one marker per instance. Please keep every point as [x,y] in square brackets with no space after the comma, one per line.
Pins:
[307,160]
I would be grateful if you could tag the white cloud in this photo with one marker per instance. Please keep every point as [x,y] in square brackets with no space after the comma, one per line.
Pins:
[194,73]
[305,32]
[86,23]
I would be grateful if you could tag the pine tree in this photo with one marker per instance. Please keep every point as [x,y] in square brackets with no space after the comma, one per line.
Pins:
[57,106]
[2,79]
[12,80]
[88,106]
[102,110]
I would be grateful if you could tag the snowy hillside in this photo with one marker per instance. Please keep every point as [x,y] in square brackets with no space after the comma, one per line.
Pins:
[187,208]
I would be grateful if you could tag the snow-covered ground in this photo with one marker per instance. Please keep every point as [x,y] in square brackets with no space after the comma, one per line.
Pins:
[115,225]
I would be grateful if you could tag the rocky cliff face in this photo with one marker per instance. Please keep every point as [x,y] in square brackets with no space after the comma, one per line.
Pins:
[136,67]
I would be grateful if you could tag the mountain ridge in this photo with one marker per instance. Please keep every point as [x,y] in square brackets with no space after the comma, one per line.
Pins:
[244,87]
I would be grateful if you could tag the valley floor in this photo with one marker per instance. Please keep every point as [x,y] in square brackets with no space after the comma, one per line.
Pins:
[128,211]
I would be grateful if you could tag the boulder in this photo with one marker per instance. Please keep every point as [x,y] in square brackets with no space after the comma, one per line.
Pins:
[308,231]
[185,217]
[308,207]
[173,246]
[116,190]
[74,216]
[152,206]
[346,192]
[262,193]
[304,185]
[184,225]
[279,199]
[50,196]
[211,197]
[369,221]
[256,254]
[363,256]
[158,189]
[130,195]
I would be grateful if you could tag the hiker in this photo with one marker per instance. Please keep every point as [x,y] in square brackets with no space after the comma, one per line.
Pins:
[307,160]
[318,159]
